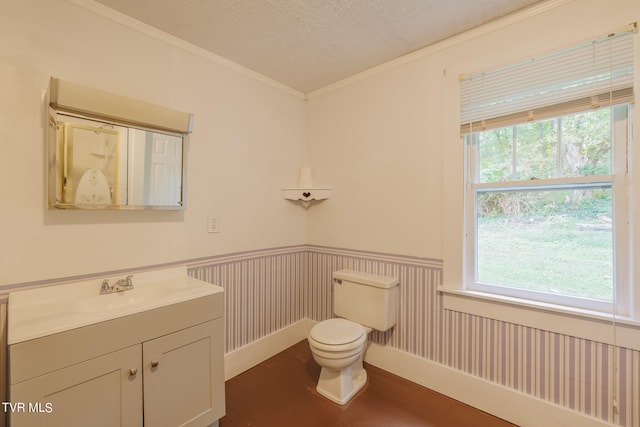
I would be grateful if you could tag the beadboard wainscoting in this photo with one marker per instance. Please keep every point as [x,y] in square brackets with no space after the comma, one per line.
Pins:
[274,296]
[264,291]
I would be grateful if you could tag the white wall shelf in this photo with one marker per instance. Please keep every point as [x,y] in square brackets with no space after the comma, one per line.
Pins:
[306,194]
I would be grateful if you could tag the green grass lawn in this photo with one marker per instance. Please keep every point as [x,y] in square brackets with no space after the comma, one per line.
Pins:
[554,255]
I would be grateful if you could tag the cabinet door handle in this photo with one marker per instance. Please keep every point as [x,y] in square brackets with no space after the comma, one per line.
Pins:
[154,363]
[133,371]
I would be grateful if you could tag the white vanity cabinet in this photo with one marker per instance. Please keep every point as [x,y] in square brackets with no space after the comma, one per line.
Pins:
[98,392]
[154,368]
[179,371]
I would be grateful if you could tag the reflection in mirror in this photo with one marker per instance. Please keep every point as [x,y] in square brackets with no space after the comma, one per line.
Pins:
[155,169]
[108,165]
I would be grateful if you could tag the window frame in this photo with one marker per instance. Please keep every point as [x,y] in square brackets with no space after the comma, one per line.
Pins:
[607,328]
[617,181]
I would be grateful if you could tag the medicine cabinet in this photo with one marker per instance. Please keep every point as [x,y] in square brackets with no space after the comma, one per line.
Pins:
[108,151]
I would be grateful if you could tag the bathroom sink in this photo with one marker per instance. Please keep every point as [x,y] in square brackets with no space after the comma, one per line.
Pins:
[38,312]
[118,300]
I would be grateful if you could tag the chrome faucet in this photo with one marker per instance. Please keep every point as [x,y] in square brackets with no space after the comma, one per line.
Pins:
[105,288]
[119,286]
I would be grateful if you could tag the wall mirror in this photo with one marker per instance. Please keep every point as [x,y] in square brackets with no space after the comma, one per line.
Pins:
[111,152]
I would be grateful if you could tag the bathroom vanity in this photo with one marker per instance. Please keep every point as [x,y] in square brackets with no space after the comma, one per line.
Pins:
[151,355]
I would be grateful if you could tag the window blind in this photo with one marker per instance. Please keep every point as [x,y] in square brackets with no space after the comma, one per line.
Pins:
[591,75]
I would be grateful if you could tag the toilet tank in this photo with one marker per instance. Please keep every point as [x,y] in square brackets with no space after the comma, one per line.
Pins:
[368,299]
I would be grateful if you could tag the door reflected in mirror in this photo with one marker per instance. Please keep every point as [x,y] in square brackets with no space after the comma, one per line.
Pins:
[101,165]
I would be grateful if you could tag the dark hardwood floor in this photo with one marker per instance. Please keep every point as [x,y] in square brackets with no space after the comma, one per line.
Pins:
[280,392]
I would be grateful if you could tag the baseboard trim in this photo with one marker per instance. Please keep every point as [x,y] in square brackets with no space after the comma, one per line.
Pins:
[503,402]
[248,356]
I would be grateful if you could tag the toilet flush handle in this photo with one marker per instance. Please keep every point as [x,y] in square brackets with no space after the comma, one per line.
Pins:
[338,281]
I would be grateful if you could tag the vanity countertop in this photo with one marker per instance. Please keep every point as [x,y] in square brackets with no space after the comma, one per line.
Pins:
[34,313]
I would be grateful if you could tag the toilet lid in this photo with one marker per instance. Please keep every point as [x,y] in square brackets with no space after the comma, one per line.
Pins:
[336,331]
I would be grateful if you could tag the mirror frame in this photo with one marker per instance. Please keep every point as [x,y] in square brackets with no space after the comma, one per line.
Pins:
[74,100]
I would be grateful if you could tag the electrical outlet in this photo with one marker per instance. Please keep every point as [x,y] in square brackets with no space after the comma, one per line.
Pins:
[213,224]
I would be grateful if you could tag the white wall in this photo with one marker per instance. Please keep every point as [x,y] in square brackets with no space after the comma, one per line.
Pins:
[249,140]
[387,140]
[379,141]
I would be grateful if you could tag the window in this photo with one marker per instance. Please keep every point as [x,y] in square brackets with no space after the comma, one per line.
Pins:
[546,189]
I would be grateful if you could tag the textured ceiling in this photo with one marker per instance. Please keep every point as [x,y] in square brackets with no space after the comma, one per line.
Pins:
[308,44]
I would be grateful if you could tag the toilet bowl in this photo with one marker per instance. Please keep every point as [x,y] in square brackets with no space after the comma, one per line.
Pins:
[337,346]
[362,302]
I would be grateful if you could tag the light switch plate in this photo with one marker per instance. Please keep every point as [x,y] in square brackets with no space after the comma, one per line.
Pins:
[213,224]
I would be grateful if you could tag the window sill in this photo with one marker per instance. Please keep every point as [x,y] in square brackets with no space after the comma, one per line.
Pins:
[579,323]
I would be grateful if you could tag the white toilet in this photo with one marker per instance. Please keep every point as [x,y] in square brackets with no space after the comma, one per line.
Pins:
[363,302]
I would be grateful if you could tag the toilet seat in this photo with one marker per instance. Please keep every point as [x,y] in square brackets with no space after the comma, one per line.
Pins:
[334,333]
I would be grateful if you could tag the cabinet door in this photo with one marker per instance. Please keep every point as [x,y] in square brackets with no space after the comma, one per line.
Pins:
[101,392]
[184,377]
